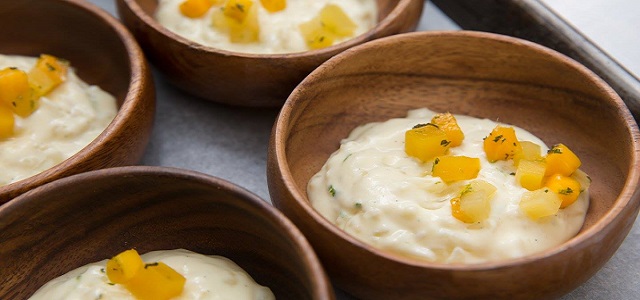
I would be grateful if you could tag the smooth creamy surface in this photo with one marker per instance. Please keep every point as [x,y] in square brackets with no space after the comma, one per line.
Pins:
[279,31]
[208,277]
[384,198]
[68,119]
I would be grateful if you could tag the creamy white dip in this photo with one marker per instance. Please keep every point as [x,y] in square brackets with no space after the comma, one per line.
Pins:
[372,190]
[279,31]
[207,277]
[68,119]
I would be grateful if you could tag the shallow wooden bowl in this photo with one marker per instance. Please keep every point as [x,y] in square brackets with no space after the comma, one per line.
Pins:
[93,216]
[103,53]
[481,75]
[245,79]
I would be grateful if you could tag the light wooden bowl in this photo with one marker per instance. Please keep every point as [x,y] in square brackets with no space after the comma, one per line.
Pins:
[245,79]
[92,216]
[478,74]
[103,53]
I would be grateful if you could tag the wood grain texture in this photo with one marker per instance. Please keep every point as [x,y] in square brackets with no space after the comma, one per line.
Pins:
[93,216]
[103,53]
[245,79]
[478,74]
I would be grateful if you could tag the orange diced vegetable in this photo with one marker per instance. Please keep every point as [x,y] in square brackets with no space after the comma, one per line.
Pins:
[47,74]
[195,8]
[474,203]
[453,168]
[124,266]
[156,281]
[238,9]
[7,122]
[540,203]
[336,21]
[426,141]
[501,144]
[567,188]
[16,92]
[447,122]
[529,151]
[530,174]
[274,5]
[561,160]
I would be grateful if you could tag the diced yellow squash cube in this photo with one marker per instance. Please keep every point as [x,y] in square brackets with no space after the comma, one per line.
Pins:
[156,281]
[501,144]
[47,74]
[529,151]
[195,8]
[124,266]
[530,174]
[454,168]
[238,9]
[7,122]
[246,31]
[426,141]
[16,92]
[274,5]
[448,123]
[567,188]
[474,203]
[315,35]
[336,21]
[561,160]
[540,203]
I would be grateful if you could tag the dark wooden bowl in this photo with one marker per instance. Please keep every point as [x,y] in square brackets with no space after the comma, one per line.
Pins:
[245,79]
[92,216]
[481,75]
[103,53]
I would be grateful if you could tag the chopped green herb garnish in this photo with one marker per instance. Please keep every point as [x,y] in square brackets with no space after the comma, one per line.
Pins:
[566,191]
[358,205]
[155,264]
[445,143]
[240,7]
[496,139]
[332,191]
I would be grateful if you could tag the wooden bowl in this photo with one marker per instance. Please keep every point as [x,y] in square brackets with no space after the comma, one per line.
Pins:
[103,53]
[93,216]
[245,79]
[478,74]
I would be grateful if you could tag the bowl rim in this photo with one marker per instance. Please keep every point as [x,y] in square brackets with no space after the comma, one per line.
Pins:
[630,191]
[138,78]
[321,288]
[151,22]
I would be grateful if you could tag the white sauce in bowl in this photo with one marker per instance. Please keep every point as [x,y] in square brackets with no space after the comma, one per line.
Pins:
[69,118]
[372,190]
[279,31]
[208,277]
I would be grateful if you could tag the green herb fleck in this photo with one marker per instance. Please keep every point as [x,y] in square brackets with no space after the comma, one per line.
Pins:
[496,139]
[332,191]
[155,264]
[321,39]
[467,189]
[555,150]
[546,190]
[358,205]
[445,143]
[566,191]
[50,67]
[512,174]
[102,270]
[111,283]
[240,7]
[13,68]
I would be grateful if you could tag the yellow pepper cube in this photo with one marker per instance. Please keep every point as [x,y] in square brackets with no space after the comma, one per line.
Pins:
[47,74]
[7,122]
[195,8]
[529,151]
[474,203]
[156,281]
[561,160]
[238,9]
[246,31]
[567,188]
[448,123]
[315,35]
[336,21]
[501,144]
[274,5]
[530,174]
[124,266]
[540,203]
[454,168]
[426,141]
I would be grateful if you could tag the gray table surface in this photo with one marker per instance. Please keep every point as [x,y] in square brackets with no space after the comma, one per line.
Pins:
[231,143]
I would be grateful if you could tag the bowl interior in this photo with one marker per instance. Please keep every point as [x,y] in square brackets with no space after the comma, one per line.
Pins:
[69,30]
[63,225]
[475,74]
